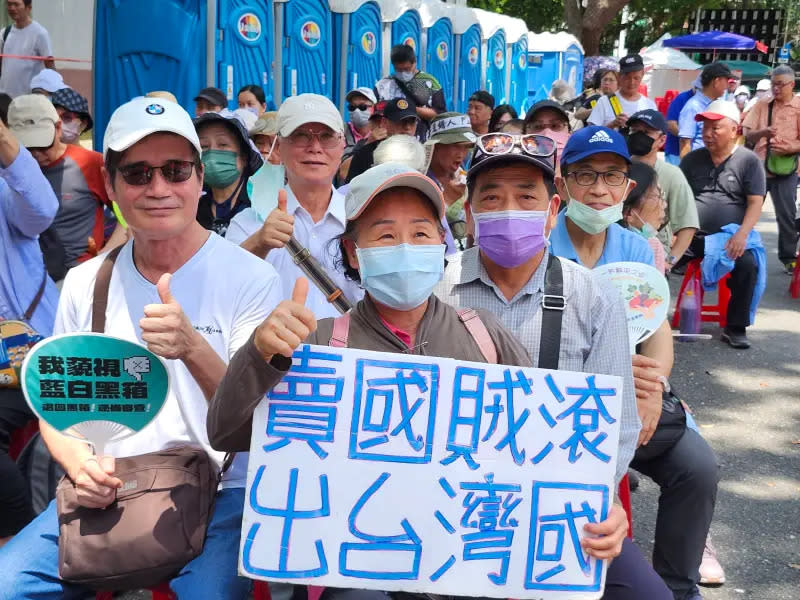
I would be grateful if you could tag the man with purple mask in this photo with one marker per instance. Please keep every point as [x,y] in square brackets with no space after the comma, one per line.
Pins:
[512,202]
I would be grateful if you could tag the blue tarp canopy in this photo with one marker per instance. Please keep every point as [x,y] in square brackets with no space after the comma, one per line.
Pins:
[713,40]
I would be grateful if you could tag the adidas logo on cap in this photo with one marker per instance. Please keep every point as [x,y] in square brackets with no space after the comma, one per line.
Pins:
[601,136]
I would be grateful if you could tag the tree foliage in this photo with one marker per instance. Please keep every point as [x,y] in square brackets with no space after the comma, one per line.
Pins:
[598,24]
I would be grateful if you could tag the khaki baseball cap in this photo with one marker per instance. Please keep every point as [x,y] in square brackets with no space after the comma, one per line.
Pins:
[266,124]
[308,108]
[365,187]
[32,118]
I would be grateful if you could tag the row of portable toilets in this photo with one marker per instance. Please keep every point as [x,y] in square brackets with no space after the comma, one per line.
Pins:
[319,46]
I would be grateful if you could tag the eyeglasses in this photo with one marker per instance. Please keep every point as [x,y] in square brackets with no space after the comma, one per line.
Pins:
[303,139]
[358,107]
[503,143]
[538,126]
[174,171]
[587,177]
[781,84]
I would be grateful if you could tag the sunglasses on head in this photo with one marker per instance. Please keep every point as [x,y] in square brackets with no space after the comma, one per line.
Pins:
[358,107]
[503,143]
[174,171]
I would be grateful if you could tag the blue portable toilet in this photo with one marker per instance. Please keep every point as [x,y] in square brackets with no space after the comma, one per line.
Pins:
[401,25]
[553,56]
[437,45]
[304,63]
[358,44]
[407,29]
[136,53]
[244,47]
[468,56]
[517,40]
[495,59]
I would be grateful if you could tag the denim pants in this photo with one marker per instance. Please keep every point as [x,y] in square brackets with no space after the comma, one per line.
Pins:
[29,562]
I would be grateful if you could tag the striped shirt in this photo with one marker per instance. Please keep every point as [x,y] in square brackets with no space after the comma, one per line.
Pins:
[594,336]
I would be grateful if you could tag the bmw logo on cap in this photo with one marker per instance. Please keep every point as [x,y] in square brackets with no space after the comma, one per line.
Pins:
[154,109]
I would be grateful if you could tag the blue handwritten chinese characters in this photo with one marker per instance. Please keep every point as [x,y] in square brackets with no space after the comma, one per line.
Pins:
[381,471]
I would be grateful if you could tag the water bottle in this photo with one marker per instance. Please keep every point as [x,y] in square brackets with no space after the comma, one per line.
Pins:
[690,313]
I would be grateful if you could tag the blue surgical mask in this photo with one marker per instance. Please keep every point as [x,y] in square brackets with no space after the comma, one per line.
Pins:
[404,76]
[402,276]
[647,231]
[263,188]
[591,220]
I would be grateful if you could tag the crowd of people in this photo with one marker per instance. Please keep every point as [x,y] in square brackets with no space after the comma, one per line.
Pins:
[413,211]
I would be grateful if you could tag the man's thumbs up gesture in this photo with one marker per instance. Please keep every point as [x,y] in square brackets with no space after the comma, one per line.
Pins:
[287,326]
[165,328]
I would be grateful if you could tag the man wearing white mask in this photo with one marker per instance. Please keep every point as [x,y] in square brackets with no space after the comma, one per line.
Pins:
[360,105]
[311,143]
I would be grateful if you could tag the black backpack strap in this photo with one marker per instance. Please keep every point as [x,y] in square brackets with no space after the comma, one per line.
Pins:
[553,305]
[37,298]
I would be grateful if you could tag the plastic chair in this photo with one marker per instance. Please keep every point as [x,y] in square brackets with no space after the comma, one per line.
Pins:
[670,95]
[21,437]
[709,313]
[624,495]
[162,592]
[794,287]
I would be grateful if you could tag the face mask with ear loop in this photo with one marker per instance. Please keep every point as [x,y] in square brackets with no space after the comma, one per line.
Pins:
[591,220]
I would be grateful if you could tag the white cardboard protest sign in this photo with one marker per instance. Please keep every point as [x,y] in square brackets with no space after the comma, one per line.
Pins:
[385,471]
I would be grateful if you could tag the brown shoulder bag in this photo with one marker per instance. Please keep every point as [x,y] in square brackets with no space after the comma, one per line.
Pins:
[159,519]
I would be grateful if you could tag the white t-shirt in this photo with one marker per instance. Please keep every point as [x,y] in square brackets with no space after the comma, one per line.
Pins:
[602,112]
[32,40]
[225,305]
[314,236]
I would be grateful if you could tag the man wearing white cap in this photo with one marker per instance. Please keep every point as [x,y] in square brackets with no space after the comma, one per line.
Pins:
[763,90]
[729,186]
[311,143]
[172,289]
[46,82]
[360,105]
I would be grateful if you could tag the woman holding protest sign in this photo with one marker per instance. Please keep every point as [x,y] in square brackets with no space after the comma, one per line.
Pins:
[394,245]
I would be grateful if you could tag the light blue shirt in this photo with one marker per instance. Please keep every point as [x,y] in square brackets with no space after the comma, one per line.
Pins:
[27,207]
[689,128]
[621,245]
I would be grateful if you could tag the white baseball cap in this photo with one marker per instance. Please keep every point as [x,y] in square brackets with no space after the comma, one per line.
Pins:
[719,109]
[364,91]
[308,108]
[135,120]
[48,80]
[32,118]
[365,187]
[763,85]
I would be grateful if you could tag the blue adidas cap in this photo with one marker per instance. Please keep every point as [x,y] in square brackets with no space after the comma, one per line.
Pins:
[593,140]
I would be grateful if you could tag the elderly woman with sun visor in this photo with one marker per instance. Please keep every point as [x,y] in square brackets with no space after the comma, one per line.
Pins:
[229,159]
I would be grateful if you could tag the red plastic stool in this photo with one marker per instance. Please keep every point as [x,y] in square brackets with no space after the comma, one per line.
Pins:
[794,287]
[624,494]
[20,437]
[163,592]
[713,313]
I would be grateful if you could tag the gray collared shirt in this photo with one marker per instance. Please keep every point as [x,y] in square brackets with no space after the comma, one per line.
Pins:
[594,335]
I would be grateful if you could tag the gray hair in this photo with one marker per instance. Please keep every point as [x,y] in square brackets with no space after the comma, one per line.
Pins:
[405,149]
[561,91]
[783,70]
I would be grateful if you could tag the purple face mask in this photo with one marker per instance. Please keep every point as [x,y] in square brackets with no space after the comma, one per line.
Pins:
[511,237]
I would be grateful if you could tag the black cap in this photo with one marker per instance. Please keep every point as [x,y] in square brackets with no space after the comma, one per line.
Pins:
[252,156]
[631,63]
[481,161]
[212,95]
[650,117]
[717,69]
[483,97]
[399,109]
[72,101]
[552,104]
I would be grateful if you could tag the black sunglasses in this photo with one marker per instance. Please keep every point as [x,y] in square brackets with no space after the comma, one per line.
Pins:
[357,106]
[174,171]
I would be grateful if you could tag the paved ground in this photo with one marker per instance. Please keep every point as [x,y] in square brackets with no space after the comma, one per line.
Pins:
[747,403]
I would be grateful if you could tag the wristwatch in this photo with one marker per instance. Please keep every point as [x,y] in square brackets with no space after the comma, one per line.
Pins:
[671,259]
[665,383]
